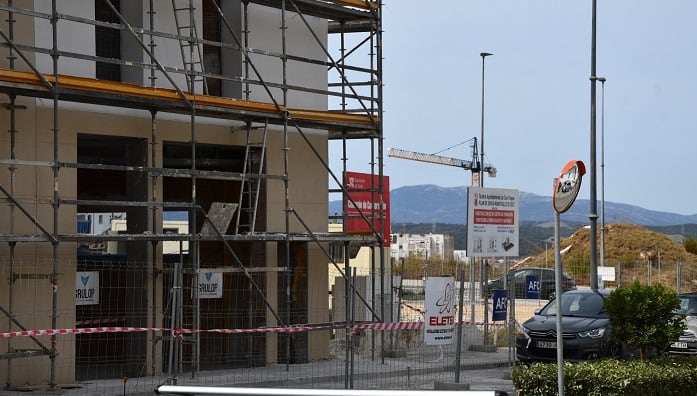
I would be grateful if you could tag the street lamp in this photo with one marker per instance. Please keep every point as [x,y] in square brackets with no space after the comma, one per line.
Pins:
[593,215]
[481,166]
[602,171]
[482,262]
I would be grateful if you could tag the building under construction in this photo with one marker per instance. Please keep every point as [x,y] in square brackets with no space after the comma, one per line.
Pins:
[219,113]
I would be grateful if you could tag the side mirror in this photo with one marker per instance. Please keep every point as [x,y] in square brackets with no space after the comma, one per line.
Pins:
[537,311]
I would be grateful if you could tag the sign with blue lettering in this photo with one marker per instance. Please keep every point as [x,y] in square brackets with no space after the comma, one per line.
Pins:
[210,285]
[532,286]
[86,288]
[500,305]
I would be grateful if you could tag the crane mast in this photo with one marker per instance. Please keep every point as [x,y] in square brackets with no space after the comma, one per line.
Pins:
[472,165]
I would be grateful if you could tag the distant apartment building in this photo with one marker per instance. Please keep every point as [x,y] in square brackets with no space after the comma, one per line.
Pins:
[427,245]
[460,256]
[97,223]
[173,227]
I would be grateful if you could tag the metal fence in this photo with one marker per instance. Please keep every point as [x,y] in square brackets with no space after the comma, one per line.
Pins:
[133,340]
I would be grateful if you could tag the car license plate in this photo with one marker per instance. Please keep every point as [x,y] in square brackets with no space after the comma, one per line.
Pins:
[546,344]
[680,345]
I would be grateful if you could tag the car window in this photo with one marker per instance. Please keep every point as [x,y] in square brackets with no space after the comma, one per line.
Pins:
[582,305]
[520,275]
[688,305]
[550,309]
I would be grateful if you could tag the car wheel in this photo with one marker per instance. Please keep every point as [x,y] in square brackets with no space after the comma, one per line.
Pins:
[615,351]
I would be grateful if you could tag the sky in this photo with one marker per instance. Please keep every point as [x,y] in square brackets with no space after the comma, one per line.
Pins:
[537,88]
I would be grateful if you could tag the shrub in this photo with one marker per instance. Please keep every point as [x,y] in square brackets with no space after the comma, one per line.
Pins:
[608,377]
[643,316]
[690,244]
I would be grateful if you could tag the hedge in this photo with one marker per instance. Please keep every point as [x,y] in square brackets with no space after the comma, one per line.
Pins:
[675,375]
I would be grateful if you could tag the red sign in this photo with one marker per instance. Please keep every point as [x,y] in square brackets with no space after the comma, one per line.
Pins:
[497,217]
[362,189]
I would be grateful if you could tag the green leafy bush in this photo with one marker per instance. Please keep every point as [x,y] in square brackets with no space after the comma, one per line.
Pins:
[640,316]
[664,376]
[690,245]
[643,316]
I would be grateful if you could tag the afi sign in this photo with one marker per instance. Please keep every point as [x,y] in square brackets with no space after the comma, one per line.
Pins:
[500,305]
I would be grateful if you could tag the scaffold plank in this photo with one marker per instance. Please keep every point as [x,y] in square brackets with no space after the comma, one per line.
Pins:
[90,85]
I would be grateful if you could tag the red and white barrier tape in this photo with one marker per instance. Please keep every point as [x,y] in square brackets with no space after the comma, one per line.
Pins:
[87,330]
[421,311]
[178,332]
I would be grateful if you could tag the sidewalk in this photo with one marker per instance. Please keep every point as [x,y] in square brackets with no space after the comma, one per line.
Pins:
[481,370]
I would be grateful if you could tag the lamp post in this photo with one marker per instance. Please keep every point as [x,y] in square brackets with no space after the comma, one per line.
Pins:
[482,261]
[481,166]
[593,215]
[602,171]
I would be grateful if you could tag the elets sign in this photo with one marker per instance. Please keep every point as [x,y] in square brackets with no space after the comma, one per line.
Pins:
[362,189]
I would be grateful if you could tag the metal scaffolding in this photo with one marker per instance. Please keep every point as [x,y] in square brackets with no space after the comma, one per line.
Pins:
[188,91]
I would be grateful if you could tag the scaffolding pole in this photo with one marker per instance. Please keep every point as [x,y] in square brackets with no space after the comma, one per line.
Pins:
[341,125]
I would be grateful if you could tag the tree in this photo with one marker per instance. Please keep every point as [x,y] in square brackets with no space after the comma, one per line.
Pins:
[690,245]
[644,317]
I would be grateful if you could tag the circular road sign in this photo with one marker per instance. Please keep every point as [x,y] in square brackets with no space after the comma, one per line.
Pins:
[568,185]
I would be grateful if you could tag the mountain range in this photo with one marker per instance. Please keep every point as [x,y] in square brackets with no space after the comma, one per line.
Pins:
[429,203]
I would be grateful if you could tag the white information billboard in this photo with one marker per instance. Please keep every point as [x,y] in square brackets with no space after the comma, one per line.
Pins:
[492,222]
[440,310]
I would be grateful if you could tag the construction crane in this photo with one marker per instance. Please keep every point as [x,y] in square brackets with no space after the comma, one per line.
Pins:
[471,165]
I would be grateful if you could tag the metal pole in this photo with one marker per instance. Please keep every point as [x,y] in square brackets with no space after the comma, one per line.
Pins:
[679,278]
[482,283]
[373,294]
[174,316]
[659,265]
[353,323]
[481,165]
[347,314]
[153,252]
[472,291]
[619,274]
[602,171]
[13,178]
[510,297]
[512,318]
[482,264]
[558,296]
[56,198]
[460,308]
[593,216]
[286,182]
